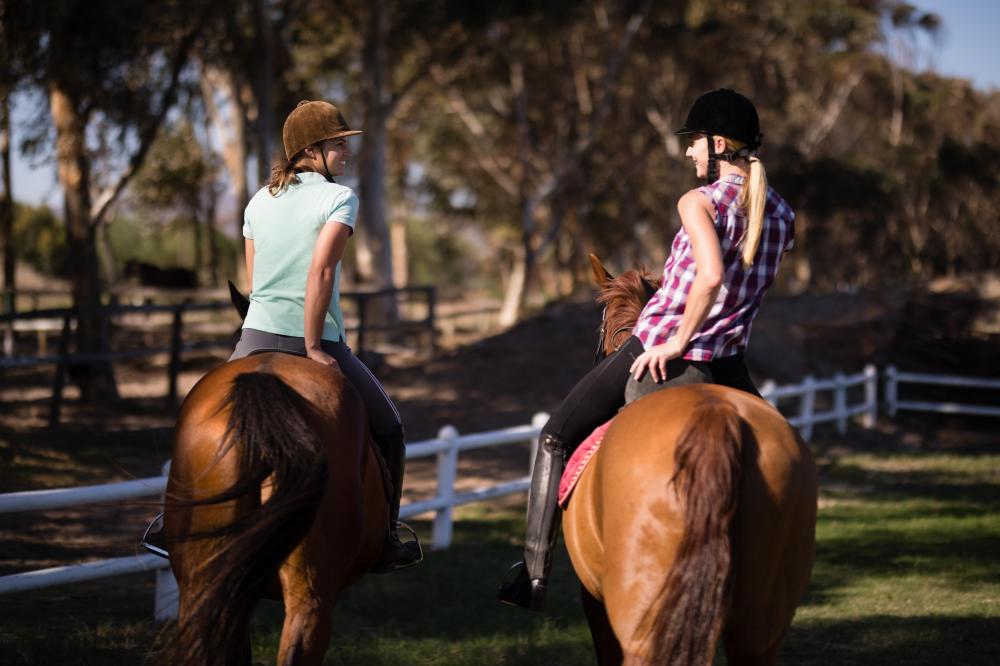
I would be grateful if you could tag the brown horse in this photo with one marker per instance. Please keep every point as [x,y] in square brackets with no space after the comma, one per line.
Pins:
[694,521]
[275,490]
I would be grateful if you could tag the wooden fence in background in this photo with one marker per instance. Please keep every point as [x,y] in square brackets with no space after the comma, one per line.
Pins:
[416,320]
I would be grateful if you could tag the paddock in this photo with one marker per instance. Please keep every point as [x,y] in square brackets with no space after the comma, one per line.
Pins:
[909,524]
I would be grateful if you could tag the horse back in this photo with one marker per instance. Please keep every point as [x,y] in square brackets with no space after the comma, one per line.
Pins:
[350,519]
[625,522]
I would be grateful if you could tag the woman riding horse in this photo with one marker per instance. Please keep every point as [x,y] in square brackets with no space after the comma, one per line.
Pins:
[296,230]
[694,329]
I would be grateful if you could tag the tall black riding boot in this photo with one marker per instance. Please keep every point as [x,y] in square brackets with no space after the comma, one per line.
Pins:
[526,584]
[396,554]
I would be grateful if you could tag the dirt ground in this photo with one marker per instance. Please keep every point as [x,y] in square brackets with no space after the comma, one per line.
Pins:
[498,381]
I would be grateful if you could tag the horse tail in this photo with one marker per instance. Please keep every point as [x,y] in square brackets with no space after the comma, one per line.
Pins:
[696,593]
[270,433]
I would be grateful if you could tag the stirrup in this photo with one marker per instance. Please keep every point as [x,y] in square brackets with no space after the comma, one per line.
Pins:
[518,590]
[388,566]
[152,538]
[514,586]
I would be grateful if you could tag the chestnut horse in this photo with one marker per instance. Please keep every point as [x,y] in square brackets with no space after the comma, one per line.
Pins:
[694,521]
[275,490]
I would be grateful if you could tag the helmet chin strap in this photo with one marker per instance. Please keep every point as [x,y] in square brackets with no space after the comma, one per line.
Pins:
[713,165]
[326,168]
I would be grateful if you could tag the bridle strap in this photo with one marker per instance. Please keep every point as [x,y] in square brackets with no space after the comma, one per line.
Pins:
[622,329]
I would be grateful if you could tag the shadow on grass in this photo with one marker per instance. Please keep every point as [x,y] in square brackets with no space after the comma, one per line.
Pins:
[879,640]
[933,517]
[445,611]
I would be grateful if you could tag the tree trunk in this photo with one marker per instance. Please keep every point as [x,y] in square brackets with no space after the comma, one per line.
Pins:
[520,275]
[213,242]
[374,244]
[96,380]
[264,88]
[374,250]
[232,131]
[6,206]
[196,228]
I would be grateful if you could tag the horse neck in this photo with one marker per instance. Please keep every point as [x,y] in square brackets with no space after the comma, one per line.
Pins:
[624,298]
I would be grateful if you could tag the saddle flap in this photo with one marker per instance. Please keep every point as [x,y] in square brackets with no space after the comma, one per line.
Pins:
[578,462]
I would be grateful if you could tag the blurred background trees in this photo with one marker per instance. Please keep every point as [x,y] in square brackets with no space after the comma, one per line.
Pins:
[503,141]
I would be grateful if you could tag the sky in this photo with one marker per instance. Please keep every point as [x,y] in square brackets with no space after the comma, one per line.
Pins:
[969,47]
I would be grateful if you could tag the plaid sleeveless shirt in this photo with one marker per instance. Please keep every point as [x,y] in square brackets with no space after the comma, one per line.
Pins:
[726,329]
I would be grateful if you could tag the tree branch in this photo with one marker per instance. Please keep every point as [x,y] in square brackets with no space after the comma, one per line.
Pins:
[462,110]
[147,134]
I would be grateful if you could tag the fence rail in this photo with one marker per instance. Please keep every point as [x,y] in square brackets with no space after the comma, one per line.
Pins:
[838,385]
[894,378]
[64,320]
[446,447]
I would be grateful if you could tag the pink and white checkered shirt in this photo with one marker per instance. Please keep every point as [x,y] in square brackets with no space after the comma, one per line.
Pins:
[726,330]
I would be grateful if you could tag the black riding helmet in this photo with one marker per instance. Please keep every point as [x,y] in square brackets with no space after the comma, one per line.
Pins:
[725,113]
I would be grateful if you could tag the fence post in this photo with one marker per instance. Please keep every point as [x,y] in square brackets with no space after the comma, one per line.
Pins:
[891,385]
[167,594]
[537,421]
[807,407]
[767,392]
[61,368]
[431,323]
[871,396]
[840,402]
[174,366]
[447,461]
[362,315]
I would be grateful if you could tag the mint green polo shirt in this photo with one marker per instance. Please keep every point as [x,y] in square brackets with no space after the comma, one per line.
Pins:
[284,229]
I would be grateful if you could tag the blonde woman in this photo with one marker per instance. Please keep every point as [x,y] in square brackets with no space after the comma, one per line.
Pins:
[695,328]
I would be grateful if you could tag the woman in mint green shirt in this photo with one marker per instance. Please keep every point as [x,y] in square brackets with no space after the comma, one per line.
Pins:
[296,229]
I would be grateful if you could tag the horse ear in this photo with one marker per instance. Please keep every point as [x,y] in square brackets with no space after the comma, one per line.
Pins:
[601,274]
[239,301]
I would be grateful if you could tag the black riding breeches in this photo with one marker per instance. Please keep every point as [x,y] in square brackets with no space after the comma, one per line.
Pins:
[599,395]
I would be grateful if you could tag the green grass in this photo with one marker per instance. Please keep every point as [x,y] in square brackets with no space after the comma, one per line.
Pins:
[906,562]
[906,573]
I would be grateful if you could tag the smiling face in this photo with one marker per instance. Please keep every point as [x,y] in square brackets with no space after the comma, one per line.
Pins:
[697,152]
[337,153]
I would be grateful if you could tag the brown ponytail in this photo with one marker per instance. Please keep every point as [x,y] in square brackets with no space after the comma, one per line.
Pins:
[285,174]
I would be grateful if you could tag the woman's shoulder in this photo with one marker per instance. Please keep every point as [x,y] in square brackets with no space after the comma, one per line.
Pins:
[337,192]
[695,198]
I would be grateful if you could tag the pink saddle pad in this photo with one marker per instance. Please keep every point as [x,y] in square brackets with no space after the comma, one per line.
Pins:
[578,462]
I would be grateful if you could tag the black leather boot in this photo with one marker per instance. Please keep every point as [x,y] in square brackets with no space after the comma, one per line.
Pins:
[396,554]
[525,584]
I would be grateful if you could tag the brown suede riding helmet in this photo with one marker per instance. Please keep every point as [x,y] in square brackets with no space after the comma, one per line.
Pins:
[312,122]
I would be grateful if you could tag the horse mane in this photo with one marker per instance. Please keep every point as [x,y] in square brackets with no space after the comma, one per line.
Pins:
[623,298]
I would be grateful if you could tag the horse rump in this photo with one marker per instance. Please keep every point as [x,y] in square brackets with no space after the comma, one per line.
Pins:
[270,433]
[686,627]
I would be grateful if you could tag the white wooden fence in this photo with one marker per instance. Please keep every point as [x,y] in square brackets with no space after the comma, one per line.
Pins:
[839,411]
[446,447]
[893,379]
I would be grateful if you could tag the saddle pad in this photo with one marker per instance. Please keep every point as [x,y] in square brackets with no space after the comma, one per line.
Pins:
[578,462]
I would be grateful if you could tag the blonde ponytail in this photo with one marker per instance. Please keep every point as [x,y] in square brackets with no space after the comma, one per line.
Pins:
[753,199]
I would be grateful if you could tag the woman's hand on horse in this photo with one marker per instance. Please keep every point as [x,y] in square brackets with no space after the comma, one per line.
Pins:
[321,356]
[655,360]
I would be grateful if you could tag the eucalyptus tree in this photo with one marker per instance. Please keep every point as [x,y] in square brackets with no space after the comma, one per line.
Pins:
[532,102]
[7,199]
[111,70]
[176,183]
